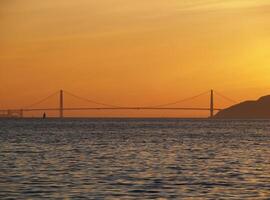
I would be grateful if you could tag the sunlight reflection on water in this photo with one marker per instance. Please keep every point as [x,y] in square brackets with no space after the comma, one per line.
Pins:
[134,159]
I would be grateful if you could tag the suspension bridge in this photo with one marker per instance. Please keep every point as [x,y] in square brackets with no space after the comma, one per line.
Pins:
[10,113]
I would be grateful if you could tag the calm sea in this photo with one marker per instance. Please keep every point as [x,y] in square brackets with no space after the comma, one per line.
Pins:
[134,159]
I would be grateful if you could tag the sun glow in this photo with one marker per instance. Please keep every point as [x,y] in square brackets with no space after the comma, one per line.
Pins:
[133,52]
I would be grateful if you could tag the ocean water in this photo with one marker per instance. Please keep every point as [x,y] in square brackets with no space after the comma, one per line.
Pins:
[134,159]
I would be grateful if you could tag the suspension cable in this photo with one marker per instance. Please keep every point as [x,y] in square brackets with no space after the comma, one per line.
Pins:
[41,101]
[116,106]
[224,97]
[91,101]
[182,100]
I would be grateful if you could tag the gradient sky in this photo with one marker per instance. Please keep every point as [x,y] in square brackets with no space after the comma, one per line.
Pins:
[133,52]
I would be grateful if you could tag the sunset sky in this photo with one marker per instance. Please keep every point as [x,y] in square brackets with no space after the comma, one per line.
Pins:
[133,52]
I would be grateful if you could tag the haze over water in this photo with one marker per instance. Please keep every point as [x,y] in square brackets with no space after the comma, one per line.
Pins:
[134,159]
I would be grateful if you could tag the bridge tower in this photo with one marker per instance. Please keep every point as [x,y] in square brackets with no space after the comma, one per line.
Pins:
[61,104]
[212,104]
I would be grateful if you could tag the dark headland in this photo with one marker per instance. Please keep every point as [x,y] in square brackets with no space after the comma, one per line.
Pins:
[259,109]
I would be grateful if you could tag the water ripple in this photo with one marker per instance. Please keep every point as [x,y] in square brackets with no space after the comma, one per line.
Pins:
[134,159]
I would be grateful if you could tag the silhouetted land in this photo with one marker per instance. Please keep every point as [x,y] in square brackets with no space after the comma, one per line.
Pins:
[259,109]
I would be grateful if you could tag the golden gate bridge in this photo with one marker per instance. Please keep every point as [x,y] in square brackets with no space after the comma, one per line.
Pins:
[8,113]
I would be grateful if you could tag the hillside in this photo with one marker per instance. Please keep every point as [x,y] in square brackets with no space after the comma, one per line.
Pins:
[259,109]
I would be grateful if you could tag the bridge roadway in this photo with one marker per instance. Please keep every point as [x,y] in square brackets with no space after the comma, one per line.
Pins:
[112,108]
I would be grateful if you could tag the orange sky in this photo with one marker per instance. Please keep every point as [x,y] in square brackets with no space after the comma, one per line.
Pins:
[133,52]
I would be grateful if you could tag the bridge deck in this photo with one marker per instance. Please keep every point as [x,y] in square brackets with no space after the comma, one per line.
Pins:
[111,108]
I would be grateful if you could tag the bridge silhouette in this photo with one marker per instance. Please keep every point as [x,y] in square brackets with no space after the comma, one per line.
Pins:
[103,106]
